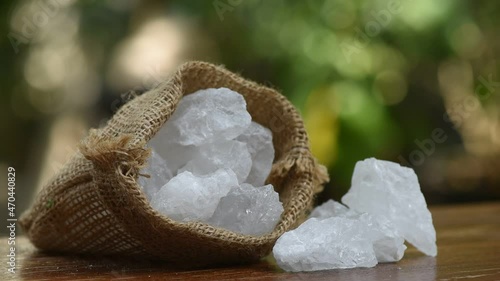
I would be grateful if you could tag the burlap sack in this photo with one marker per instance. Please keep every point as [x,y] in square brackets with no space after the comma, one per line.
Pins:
[95,206]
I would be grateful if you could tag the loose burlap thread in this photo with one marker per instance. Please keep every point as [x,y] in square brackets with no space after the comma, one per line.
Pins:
[94,204]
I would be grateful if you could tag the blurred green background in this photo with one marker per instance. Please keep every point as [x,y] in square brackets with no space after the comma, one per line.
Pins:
[408,81]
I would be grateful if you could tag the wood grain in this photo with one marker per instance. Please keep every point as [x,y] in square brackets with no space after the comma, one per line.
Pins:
[468,245]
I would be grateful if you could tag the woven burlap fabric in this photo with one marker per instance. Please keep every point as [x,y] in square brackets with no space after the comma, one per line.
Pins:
[95,206]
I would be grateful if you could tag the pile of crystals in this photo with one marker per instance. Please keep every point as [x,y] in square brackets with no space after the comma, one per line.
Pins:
[210,162]
[385,208]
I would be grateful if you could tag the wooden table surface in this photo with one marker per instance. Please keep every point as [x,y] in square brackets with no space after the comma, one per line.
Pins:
[468,245]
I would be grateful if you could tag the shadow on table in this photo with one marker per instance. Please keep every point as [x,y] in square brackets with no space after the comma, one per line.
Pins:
[40,265]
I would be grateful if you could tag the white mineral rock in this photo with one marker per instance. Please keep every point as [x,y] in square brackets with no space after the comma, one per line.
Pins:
[212,148]
[386,206]
[206,116]
[384,188]
[316,244]
[188,197]
[177,155]
[158,172]
[259,141]
[226,154]
[249,210]
[388,244]
[330,208]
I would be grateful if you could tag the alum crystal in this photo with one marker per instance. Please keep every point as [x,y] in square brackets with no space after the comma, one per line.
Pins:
[387,242]
[387,189]
[159,174]
[207,116]
[249,210]
[209,164]
[227,154]
[188,197]
[386,207]
[317,244]
[259,141]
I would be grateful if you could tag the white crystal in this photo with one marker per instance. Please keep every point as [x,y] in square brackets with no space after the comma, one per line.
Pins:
[384,188]
[249,210]
[330,208]
[259,141]
[227,154]
[388,244]
[188,197]
[330,243]
[207,116]
[159,173]
[176,155]
[211,147]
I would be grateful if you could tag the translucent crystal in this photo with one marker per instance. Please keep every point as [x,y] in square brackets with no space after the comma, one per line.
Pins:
[211,146]
[388,244]
[330,208]
[159,173]
[176,155]
[189,197]
[259,141]
[207,116]
[226,154]
[385,188]
[330,243]
[249,210]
